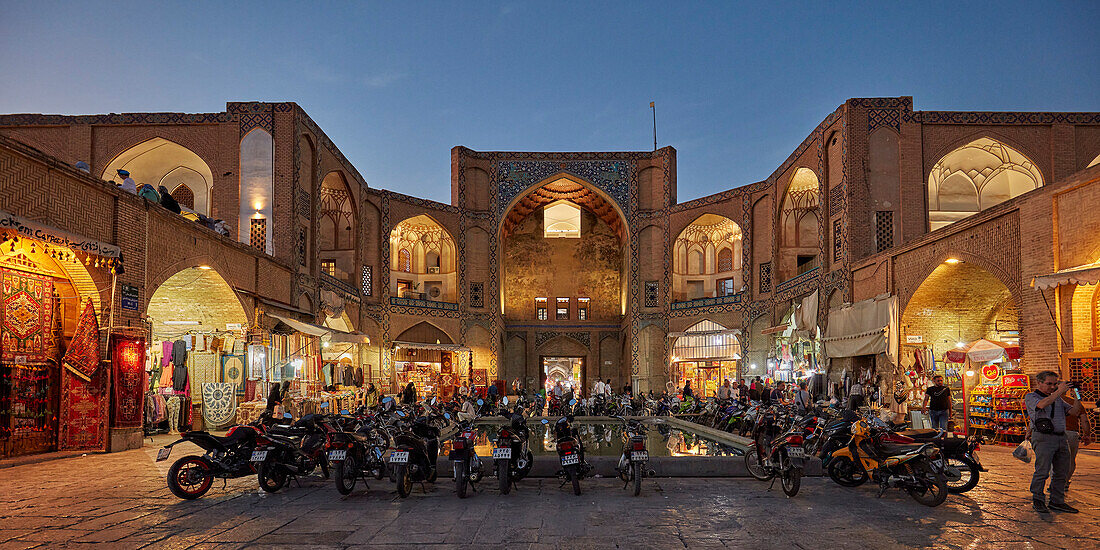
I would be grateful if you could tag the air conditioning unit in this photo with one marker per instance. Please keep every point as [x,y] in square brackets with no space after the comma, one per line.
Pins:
[433,270]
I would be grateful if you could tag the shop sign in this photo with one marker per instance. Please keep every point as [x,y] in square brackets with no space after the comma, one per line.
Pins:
[991,372]
[56,237]
[914,339]
[130,297]
[1014,381]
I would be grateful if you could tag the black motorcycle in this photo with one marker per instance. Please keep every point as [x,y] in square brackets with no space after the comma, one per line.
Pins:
[512,453]
[226,457]
[634,459]
[468,468]
[291,451]
[570,451]
[416,449]
[356,451]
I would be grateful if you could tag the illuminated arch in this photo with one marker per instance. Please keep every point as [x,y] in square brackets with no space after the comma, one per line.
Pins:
[158,161]
[976,176]
[706,259]
[423,256]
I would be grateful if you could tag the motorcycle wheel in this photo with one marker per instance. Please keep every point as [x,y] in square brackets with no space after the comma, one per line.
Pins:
[844,472]
[792,478]
[190,477]
[461,481]
[404,482]
[636,473]
[756,467]
[503,477]
[271,477]
[969,474]
[324,465]
[345,473]
[624,468]
[934,491]
[571,473]
[434,475]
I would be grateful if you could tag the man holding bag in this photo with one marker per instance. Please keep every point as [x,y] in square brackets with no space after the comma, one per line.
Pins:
[1047,414]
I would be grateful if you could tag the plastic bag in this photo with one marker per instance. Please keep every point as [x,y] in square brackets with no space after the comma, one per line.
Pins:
[1023,451]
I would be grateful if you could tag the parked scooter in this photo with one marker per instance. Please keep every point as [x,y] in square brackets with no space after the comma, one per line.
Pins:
[781,456]
[227,457]
[634,460]
[511,453]
[357,453]
[962,467]
[570,451]
[416,449]
[916,469]
[291,451]
[467,465]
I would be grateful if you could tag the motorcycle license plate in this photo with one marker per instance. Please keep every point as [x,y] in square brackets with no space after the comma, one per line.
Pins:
[162,454]
[502,452]
[639,456]
[569,460]
[337,455]
[400,457]
[259,456]
[796,452]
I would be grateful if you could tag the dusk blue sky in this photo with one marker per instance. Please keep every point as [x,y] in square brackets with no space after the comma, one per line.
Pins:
[397,84]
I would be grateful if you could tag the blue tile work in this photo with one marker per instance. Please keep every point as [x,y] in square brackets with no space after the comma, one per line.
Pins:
[517,176]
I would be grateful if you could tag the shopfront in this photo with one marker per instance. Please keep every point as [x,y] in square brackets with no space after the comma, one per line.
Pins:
[707,354]
[433,369]
[55,390]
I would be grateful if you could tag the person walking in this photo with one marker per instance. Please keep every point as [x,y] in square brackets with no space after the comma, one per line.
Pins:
[408,396]
[1047,414]
[938,403]
[371,398]
[855,396]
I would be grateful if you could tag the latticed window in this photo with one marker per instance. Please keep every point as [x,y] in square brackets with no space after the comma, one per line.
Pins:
[838,241]
[561,313]
[652,296]
[404,260]
[328,267]
[582,308]
[884,230]
[725,260]
[184,196]
[477,294]
[766,277]
[257,234]
[540,309]
[301,246]
[368,286]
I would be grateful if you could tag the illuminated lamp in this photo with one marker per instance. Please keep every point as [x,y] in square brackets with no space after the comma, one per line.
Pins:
[952,261]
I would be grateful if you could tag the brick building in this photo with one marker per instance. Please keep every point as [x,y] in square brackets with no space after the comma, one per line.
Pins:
[585,265]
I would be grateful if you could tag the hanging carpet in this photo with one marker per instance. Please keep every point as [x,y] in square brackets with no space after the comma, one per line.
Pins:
[202,367]
[219,403]
[82,357]
[128,361]
[26,311]
[83,412]
[233,371]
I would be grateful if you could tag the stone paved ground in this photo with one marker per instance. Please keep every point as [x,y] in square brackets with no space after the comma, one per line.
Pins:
[121,501]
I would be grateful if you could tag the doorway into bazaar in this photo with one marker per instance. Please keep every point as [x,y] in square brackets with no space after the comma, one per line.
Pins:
[567,371]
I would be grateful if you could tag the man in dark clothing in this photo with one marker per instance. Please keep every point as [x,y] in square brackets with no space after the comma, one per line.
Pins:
[938,403]
[777,394]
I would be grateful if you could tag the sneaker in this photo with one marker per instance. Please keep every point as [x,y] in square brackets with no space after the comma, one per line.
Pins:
[1040,506]
[1063,507]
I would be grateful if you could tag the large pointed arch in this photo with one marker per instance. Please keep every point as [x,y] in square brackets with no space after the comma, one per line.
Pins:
[798,226]
[424,332]
[564,186]
[975,176]
[706,259]
[159,161]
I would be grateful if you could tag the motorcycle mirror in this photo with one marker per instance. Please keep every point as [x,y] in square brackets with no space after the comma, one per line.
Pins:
[480,402]
[401,414]
[344,412]
[572,401]
[324,405]
[387,400]
[545,421]
[504,400]
[447,416]
[433,401]
[287,415]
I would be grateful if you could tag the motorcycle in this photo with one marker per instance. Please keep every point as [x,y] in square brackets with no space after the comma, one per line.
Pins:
[467,465]
[511,453]
[635,456]
[962,467]
[416,450]
[226,457]
[781,456]
[570,451]
[916,469]
[290,452]
[357,453]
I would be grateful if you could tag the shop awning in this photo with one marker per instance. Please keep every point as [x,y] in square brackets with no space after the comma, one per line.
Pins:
[436,347]
[330,334]
[868,327]
[1080,275]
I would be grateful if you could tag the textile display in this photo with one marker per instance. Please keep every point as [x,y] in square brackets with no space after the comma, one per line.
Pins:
[251,390]
[479,377]
[82,357]
[27,316]
[868,327]
[219,403]
[128,364]
[83,422]
[202,367]
[233,371]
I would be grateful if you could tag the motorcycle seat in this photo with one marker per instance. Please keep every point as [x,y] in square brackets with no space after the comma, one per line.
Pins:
[924,434]
[899,448]
[287,431]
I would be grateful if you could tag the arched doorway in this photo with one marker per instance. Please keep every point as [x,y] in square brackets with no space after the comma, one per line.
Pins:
[565,360]
[158,162]
[976,176]
[799,225]
[707,259]
[44,290]
[707,354]
[423,261]
[426,356]
[197,317]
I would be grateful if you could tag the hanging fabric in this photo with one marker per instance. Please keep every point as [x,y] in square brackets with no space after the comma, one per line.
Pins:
[82,357]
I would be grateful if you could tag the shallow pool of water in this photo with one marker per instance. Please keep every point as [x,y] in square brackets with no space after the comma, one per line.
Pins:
[601,438]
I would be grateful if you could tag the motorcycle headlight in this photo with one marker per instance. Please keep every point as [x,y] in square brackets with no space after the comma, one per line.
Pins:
[930,451]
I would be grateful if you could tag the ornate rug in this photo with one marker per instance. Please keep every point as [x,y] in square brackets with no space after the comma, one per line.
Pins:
[83,412]
[233,371]
[219,403]
[128,361]
[202,367]
[26,311]
[82,357]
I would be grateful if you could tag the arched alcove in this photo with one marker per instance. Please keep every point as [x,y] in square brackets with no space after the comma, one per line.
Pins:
[706,259]
[799,225]
[422,260]
[976,176]
[158,162]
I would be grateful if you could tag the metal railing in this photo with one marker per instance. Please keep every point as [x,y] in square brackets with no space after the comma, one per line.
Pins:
[711,301]
[430,304]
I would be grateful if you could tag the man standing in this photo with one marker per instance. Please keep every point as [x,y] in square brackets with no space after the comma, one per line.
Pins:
[938,403]
[724,390]
[1047,413]
[777,395]
[802,398]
